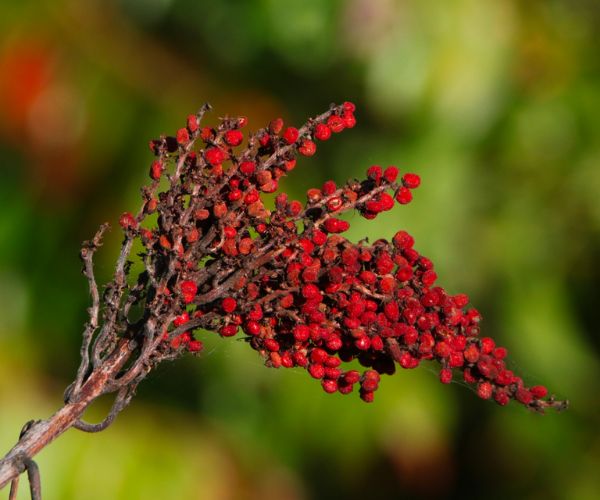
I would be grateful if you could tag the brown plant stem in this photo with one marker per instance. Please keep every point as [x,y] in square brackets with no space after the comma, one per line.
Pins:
[43,432]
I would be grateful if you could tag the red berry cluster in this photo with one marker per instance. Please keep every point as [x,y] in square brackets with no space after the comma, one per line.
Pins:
[303,295]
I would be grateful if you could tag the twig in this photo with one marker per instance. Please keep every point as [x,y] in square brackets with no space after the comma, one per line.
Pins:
[87,255]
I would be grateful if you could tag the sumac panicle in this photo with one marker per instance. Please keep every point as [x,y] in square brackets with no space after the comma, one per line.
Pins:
[302,295]
[323,300]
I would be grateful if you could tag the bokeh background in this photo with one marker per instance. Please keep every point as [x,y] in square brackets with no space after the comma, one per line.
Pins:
[495,104]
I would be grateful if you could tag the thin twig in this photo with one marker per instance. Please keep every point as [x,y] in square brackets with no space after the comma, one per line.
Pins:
[123,399]
[87,255]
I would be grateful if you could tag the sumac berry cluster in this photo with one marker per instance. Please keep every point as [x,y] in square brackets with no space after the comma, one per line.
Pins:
[287,279]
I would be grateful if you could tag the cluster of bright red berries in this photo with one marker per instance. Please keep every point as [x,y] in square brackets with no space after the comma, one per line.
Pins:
[303,294]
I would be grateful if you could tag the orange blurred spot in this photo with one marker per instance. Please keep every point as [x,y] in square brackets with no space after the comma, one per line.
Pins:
[26,69]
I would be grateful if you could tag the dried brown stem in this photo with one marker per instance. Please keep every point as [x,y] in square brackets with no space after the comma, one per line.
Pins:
[42,433]
[87,255]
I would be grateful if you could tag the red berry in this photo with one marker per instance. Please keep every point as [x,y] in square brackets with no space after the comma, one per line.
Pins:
[501,397]
[411,181]
[156,170]
[445,376]
[428,278]
[207,133]
[294,208]
[192,123]
[307,148]
[229,304]
[487,345]
[349,106]
[374,172]
[271,345]
[329,188]
[335,123]
[319,237]
[471,353]
[363,343]
[524,396]
[252,197]
[183,136]
[182,319]
[301,333]
[311,291]
[386,202]
[286,360]
[538,391]
[247,167]
[214,156]
[319,356]
[322,132]
[228,330]
[188,290]
[252,328]
[290,135]
[127,221]
[484,390]
[349,120]
[499,352]
[403,196]
[367,396]
[316,370]
[234,137]
[329,386]
[403,240]
[390,174]
[195,346]
[165,242]
[229,232]
[275,126]
[333,225]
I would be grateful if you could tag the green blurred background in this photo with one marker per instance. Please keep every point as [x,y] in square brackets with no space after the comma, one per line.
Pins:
[496,104]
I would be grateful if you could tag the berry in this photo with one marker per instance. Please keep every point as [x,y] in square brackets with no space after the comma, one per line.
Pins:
[276,126]
[228,330]
[234,137]
[192,123]
[403,196]
[156,170]
[229,304]
[183,136]
[349,107]
[247,167]
[252,328]
[127,221]
[195,346]
[390,174]
[291,135]
[484,390]
[188,290]
[411,181]
[374,172]
[307,148]
[333,225]
[329,386]
[348,120]
[214,156]
[322,132]
[445,376]
[335,123]
[181,319]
